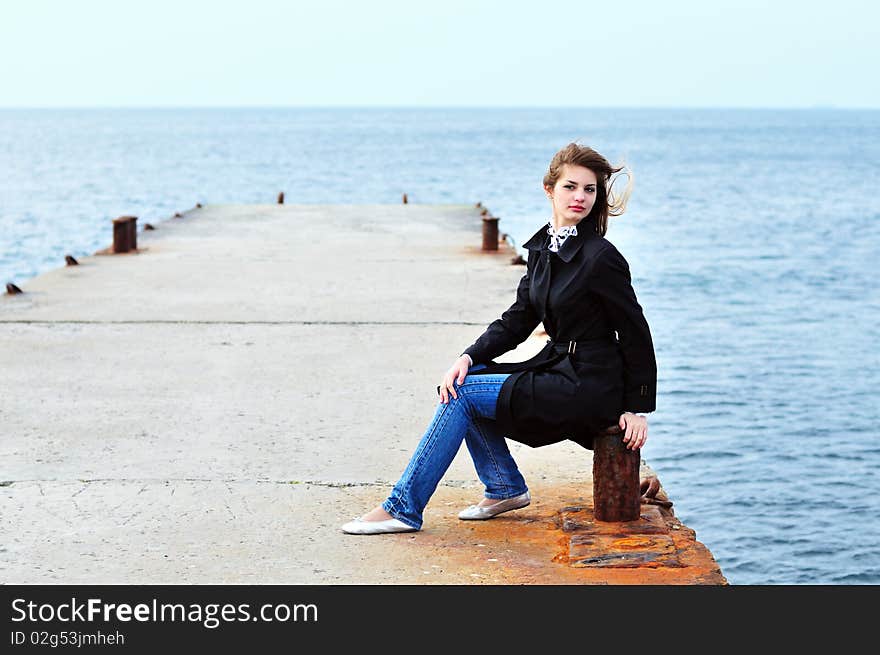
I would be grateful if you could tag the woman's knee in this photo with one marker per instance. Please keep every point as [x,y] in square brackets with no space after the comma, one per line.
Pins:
[471,394]
[470,381]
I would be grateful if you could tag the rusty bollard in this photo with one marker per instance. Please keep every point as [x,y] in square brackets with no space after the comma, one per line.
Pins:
[281,198]
[616,487]
[124,234]
[490,233]
[405,199]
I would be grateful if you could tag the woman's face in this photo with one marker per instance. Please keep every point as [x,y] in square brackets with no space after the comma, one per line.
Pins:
[573,195]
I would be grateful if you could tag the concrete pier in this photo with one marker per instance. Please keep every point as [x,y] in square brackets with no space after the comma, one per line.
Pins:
[211,407]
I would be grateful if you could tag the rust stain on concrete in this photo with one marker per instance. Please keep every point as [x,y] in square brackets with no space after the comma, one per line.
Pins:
[557,541]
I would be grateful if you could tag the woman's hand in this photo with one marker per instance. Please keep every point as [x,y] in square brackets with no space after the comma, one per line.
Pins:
[458,371]
[636,429]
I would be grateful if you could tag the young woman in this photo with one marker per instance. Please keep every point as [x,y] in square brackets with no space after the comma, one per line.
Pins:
[597,369]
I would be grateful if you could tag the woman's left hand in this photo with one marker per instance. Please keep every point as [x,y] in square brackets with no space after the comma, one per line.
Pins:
[636,429]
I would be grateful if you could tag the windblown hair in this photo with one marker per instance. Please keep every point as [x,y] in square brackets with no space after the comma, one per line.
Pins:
[608,203]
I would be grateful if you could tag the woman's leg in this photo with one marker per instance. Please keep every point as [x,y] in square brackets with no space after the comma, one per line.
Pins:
[492,459]
[451,424]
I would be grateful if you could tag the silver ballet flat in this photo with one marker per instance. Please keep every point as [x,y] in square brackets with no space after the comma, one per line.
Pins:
[476,513]
[359,526]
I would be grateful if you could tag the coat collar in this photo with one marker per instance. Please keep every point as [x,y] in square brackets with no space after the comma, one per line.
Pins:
[541,241]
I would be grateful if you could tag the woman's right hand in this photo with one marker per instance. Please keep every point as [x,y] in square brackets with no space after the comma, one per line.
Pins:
[457,372]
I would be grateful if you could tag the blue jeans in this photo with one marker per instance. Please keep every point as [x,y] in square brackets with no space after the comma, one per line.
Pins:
[470,417]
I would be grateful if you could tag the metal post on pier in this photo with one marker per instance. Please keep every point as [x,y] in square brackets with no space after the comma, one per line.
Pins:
[490,233]
[124,234]
[616,486]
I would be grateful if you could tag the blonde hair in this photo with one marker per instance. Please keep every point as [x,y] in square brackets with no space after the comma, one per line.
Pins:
[608,202]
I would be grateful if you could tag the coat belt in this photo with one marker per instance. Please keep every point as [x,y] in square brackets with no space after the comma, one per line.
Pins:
[572,346]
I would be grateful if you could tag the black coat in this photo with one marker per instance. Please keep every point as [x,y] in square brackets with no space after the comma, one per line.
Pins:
[583,294]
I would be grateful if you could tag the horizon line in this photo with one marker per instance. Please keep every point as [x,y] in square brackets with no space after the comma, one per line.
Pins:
[814,107]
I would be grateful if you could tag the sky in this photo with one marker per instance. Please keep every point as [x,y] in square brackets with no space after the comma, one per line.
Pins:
[636,53]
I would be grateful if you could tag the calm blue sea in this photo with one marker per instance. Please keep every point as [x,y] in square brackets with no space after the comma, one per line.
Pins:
[753,238]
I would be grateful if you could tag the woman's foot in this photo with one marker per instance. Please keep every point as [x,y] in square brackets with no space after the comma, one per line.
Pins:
[376,514]
[376,521]
[490,507]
